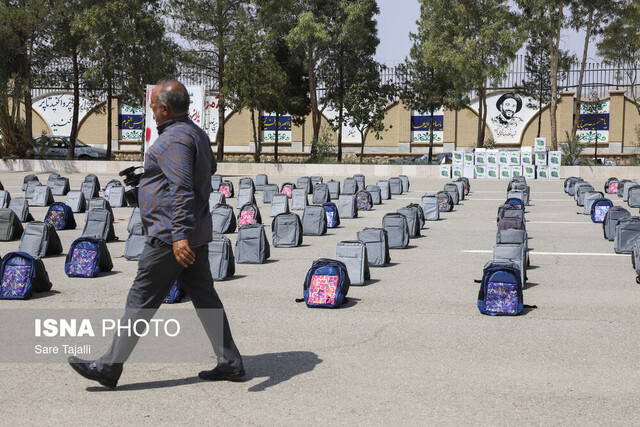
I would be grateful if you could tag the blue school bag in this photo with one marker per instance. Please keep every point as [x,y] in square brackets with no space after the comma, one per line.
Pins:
[515,202]
[500,289]
[60,216]
[599,209]
[21,275]
[175,294]
[87,257]
[333,218]
[327,284]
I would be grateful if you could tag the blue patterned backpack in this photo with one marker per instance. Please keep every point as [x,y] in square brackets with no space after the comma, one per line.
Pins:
[500,289]
[60,216]
[599,209]
[326,285]
[363,201]
[21,274]
[333,218]
[87,257]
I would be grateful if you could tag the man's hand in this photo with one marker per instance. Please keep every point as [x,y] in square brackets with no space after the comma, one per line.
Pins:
[183,253]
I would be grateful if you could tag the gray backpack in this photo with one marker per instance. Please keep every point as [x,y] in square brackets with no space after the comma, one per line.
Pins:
[395,185]
[514,236]
[635,259]
[353,253]
[286,230]
[135,242]
[98,203]
[42,196]
[223,219]
[31,186]
[20,205]
[360,181]
[611,220]
[374,190]
[221,259]
[349,186]
[334,189]
[627,186]
[512,252]
[216,180]
[430,207]
[116,196]
[247,182]
[252,246]
[385,191]
[397,229]
[634,197]
[261,181]
[582,191]
[315,180]
[216,197]
[591,197]
[279,204]
[347,207]
[89,189]
[304,182]
[76,201]
[460,186]
[5,199]
[29,178]
[509,211]
[268,192]
[99,224]
[40,239]
[405,183]
[299,199]
[314,221]
[10,225]
[135,218]
[413,221]
[320,194]
[245,195]
[61,187]
[452,190]
[519,192]
[377,244]
[51,181]
[627,230]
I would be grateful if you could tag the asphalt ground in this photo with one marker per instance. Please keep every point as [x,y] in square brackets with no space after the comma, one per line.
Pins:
[410,348]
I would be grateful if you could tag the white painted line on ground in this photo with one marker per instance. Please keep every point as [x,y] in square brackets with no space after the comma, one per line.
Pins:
[471,251]
[559,222]
[533,200]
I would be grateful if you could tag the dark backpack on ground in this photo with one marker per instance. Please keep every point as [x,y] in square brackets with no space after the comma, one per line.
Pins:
[611,219]
[261,181]
[20,206]
[22,274]
[226,188]
[60,216]
[304,182]
[374,190]
[519,203]
[353,254]
[76,201]
[349,186]
[27,179]
[320,194]
[5,199]
[10,226]
[314,221]
[347,206]
[363,201]
[599,209]
[509,211]
[249,214]
[430,207]
[334,189]
[326,284]
[333,217]
[252,246]
[627,230]
[397,229]
[385,190]
[395,186]
[61,187]
[500,289]
[268,192]
[405,183]
[99,224]
[287,188]
[377,243]
[511,222]
[42,196]
[135,242]
[279,204]
[221,259]
[445,201]
[88,257]
[286,230]
[413,221]
[40,239]
[611,186]
[223,219]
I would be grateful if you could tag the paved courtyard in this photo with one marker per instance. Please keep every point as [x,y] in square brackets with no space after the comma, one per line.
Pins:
[410,348]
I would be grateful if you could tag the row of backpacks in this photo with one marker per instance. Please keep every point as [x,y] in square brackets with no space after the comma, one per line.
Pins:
[618,225]
[504,276]
[328,280]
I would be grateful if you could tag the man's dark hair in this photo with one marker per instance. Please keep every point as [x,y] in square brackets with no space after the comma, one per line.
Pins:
[173,94]
[511,95]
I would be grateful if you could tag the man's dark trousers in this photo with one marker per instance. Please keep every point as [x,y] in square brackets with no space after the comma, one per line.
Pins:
[158,269]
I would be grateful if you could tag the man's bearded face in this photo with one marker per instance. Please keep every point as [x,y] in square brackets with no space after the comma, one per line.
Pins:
[509,107]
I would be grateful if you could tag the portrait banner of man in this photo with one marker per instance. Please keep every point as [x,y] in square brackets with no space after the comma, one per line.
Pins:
[507,115]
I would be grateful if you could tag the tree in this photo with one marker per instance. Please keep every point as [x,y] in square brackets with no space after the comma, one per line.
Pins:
[209,26]
[620,42]
[365,103]
[597,13]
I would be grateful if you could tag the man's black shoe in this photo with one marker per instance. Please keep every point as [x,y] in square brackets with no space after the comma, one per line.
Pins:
[89,370]
[223,372]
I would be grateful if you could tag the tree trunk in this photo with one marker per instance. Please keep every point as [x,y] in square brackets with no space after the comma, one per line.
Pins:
[275,144]
[340,103]
[363,138]
[221,103]
[28,112]
[256,141]
[479,140]
[484,113]
[315,111]
[554,47]
[576,119]
[430,139]
[109,114]
[76,106]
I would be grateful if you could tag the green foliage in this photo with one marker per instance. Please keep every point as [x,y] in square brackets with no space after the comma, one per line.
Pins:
[325,149]
[13,136]
[489,143]
[572,148]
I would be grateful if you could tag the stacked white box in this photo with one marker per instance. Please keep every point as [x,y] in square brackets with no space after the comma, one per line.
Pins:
[505,172]
[515,170]
[529,171]
[554,158]
[469,158]
[492,157]
[458,157]
[541,158]
[542,172]
[481,157]
[481,171]
[540,144]
[554,172]
[493,171]
[456,171]
[469,172]
[503,158]
[445,171]
[514,158]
